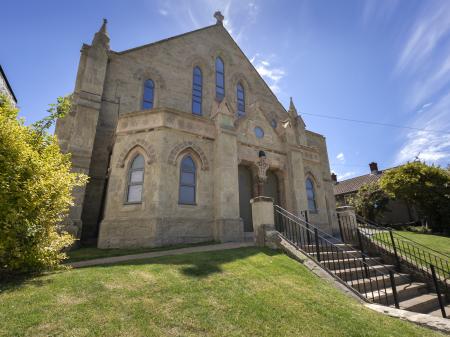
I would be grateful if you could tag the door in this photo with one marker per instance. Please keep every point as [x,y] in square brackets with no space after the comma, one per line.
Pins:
[271,187]
[245,194]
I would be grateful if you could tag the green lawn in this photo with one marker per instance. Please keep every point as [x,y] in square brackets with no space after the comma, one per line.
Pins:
[241,292]
[436,242]
[89,253]
[423,257]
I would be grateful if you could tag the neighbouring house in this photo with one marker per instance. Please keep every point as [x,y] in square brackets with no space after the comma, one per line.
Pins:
[177,136]
[398,211]
[5,87]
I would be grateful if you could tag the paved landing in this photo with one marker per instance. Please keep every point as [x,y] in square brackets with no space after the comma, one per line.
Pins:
[116,259]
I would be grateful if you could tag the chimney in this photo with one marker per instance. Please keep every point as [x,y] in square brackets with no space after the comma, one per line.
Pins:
[334,178]
[373,168]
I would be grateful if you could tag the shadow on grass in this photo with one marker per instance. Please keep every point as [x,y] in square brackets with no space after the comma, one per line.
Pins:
[198,265]
[12,283]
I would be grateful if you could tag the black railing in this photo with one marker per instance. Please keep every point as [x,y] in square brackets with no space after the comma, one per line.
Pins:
[431,265]
[372,281]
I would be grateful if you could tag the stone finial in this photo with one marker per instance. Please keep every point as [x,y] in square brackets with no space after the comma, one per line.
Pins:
[101,38]
[219,17]
[103,27]
[292,106]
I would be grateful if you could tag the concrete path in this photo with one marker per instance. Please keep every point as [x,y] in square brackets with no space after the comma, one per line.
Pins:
[115,259]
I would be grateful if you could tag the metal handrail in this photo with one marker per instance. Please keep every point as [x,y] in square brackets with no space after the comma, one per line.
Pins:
[296,231]
[434,269]
[402,236]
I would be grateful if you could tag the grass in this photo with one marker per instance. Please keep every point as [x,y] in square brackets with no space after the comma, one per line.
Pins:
[240,292]
[422,257]
[436,242]
[89,253]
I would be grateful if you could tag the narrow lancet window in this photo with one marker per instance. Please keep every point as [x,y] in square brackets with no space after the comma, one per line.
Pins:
[311,195]
[240,94]
[187,181]
[220,79]
[135,180]
[149,91]
[197,84]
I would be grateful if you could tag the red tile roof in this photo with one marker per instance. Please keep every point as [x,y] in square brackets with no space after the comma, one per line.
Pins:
[354,184]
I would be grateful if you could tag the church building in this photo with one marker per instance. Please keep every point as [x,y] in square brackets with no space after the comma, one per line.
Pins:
[177,136]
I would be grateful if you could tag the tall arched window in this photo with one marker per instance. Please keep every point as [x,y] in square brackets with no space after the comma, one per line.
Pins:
[135,179]
[187,181]
[149,90]
[197,92]
[220,79]
[311,195]
[240,94]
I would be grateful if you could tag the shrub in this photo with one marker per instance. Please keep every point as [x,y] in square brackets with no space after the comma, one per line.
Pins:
[426,187]
[35,194]
[370,201]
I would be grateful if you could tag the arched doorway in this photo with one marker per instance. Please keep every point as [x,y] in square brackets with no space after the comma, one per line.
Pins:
[245,194]
[271,187]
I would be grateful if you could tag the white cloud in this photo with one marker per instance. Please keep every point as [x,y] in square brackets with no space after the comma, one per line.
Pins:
[425,61]
[163,12]
[376,11]
[341,157]
[432,147]
[345,175]
[431,27]
[271,74]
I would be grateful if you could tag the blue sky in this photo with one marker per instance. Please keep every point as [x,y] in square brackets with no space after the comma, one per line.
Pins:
[384,61]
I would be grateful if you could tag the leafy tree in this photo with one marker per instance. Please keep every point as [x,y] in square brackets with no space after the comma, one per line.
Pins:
[35,193]
[426,187]
[370,200]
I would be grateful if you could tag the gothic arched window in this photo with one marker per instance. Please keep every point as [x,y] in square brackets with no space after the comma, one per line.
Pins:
[149,91]
[197,92]
[135,179]
[220,79]
[240,94]
[311,195]
[187,181]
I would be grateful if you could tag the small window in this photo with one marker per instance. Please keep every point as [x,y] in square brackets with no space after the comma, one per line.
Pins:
[274,123]
[220,79]
[311,195]
[135,180]
[149,88]
[259,132]
[197,92]
[240,94]
[187,181]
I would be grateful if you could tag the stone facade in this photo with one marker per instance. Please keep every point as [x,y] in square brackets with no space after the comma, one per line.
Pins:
[5,87]
[108,127]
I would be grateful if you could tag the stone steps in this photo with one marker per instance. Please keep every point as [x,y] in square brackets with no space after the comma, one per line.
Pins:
[374,282]
[424,303]
[351,262]
[348,274]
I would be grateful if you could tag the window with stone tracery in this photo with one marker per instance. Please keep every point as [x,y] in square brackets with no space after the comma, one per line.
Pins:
[187,181]
[135,180]
[311,195]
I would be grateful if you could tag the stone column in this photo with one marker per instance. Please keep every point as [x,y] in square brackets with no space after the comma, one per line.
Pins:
[263,219]
[228,225]
[347,215]
[296,181]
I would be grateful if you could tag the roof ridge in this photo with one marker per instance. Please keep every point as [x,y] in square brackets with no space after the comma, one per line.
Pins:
[164,40]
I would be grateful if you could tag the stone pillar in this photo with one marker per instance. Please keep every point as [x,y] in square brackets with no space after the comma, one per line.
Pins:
[347,216]
[296,181]
[228,225]
[263,219]
[76,132]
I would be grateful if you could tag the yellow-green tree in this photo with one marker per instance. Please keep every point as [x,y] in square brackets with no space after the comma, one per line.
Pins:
[36,186]
[370,201]
[426,187]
